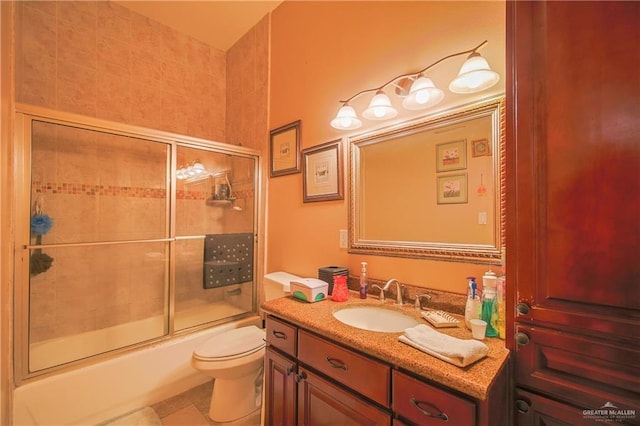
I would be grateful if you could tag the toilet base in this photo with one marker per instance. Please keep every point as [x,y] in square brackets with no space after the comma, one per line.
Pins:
[232,400]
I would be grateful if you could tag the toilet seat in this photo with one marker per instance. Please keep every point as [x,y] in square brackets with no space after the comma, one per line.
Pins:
[231,344]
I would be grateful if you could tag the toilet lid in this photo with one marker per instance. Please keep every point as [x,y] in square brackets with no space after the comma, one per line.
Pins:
[231,343]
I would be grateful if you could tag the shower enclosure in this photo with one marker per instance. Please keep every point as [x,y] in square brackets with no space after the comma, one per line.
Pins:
[125,237]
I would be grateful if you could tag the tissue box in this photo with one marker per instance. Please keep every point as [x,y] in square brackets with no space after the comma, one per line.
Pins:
[309,289]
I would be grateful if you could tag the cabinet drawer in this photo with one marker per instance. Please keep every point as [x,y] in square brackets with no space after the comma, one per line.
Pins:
[424,404]
[366,376]
[281,335]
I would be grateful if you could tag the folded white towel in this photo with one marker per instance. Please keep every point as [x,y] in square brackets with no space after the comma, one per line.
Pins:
[448,348]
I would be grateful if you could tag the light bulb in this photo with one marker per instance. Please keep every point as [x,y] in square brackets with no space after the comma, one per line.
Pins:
[422,97]
[423,94]
[346,119]
[380,108]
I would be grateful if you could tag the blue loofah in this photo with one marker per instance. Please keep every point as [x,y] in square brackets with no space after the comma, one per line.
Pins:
[41,224]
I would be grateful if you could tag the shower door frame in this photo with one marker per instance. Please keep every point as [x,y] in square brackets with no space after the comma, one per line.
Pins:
[25,115]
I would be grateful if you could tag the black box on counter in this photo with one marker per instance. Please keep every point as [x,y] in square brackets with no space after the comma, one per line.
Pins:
[327,273]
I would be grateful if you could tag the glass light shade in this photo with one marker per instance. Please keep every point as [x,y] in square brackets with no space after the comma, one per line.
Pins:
[475,75]
[199,167]
[380,108]
[346,119]
[423,94]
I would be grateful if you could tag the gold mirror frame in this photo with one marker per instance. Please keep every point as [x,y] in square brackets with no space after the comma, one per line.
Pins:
[490,254]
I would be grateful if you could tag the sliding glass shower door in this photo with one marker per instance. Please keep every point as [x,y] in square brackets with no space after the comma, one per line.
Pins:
[214,228]
[127,238]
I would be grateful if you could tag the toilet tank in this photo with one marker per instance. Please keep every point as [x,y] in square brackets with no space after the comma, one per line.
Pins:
[276,284]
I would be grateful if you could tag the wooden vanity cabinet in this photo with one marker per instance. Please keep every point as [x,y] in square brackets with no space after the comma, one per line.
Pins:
[573,209]
[318,381]
[295,394]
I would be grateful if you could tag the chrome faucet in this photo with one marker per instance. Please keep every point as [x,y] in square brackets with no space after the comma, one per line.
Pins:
[399,287]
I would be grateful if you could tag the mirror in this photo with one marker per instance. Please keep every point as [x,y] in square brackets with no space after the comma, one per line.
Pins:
[431,188]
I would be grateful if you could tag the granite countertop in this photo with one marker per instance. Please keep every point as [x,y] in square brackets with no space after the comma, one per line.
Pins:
[473,380]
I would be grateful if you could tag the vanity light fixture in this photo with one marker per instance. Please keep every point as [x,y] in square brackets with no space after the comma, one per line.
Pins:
[475,75]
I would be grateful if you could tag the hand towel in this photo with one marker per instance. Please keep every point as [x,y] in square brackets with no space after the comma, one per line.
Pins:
[459,352]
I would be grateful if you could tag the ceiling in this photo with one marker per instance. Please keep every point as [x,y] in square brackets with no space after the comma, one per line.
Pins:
[215,22]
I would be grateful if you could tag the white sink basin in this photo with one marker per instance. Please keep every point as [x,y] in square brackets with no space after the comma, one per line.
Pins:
[375,319]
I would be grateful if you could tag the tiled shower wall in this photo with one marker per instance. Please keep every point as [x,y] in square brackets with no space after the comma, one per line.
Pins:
[103,60]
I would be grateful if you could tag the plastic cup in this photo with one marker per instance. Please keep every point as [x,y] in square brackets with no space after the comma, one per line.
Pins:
[478,328]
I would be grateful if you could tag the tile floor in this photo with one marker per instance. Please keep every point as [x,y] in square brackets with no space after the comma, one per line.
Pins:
[190,408]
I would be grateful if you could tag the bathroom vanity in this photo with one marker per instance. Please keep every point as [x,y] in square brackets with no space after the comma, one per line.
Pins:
[319,370]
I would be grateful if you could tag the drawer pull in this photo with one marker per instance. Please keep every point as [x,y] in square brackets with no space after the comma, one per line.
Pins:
[522,406]
[522,308]
[522,339]
[441,416]
[300,377]
[279,334]
[336,363]
[289,371]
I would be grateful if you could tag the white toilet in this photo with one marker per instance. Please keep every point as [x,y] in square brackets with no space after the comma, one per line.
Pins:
[235,359]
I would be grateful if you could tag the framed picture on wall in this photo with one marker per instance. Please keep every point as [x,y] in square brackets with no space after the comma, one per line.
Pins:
[451,156]
[480,148]
[284,148]
[322,172]
[452,189]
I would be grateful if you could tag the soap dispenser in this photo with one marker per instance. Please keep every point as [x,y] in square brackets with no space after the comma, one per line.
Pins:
[363,281]
[489,311]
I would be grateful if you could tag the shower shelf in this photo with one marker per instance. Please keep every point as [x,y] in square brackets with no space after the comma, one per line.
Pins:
[221,203]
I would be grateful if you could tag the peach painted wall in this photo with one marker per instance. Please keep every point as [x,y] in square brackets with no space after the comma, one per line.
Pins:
[323,52]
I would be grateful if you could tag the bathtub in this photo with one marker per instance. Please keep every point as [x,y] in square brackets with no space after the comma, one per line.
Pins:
[99,392]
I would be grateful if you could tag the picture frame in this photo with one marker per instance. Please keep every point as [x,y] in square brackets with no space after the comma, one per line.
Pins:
[284,149]
[452,189]
[451,156]
[322,172]
[480,148]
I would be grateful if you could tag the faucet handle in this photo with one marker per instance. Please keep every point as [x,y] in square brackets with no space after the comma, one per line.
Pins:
[381,297]
[417,304]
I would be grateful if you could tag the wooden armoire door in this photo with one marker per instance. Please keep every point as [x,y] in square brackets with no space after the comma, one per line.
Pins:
[573,201]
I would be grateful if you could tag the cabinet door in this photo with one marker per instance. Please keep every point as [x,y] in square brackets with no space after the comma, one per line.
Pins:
[573,165]
[323,403]
[280,389]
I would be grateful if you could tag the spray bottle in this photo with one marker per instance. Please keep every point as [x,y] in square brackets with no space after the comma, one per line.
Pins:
[363,281]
